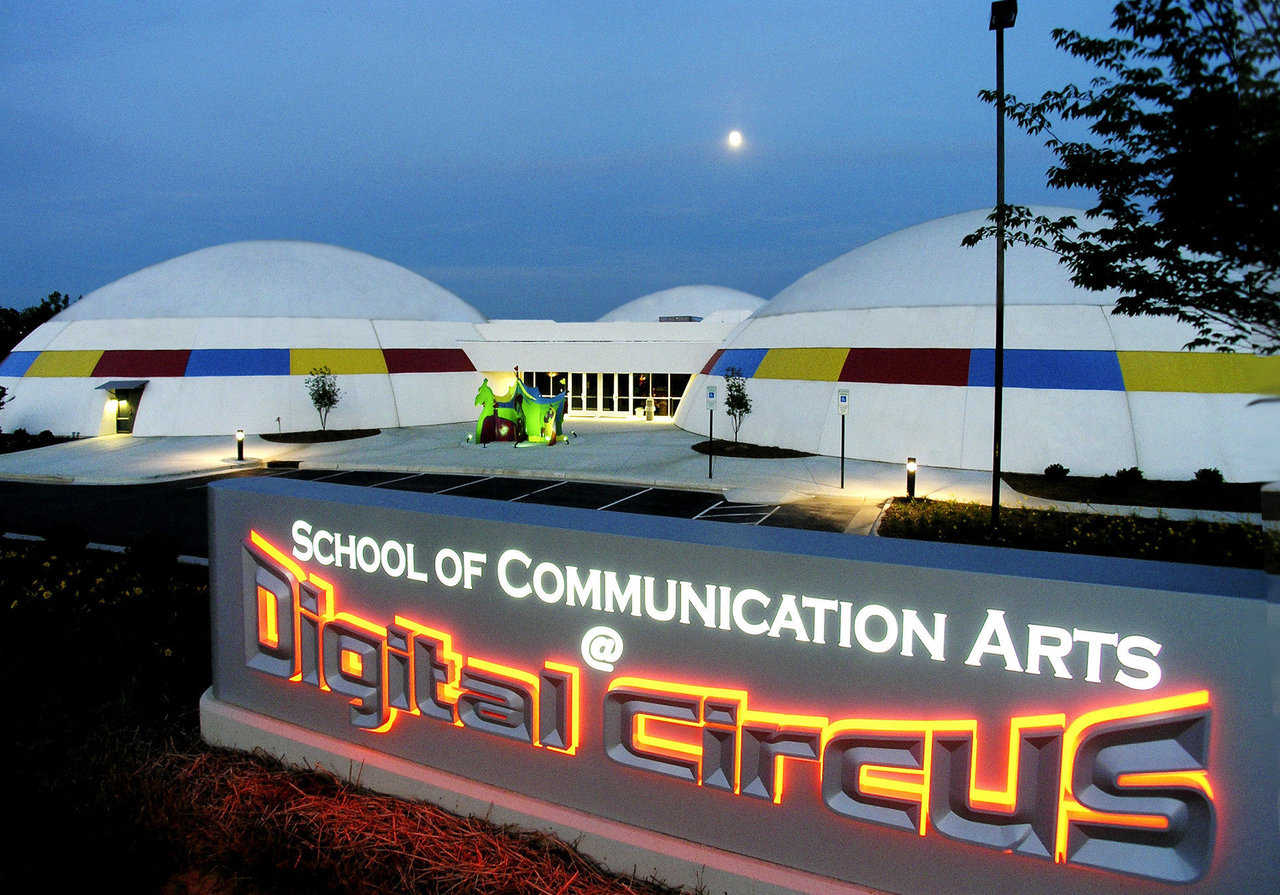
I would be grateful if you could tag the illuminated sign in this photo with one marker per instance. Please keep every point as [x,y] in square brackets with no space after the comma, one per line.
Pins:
[868,719]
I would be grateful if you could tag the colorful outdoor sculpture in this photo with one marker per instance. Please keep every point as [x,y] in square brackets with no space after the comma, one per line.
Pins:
[522,415]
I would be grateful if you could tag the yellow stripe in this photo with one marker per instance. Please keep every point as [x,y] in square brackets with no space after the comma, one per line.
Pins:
[342,361]
[64,363]
[814,364]
[1186,371]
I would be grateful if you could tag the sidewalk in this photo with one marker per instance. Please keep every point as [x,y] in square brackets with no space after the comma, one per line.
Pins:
[654,454]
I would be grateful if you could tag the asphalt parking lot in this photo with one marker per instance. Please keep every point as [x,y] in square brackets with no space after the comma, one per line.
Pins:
[675,502]
[174,516]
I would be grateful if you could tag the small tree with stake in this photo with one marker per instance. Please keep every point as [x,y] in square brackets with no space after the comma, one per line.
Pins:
[737,403]
[322,386]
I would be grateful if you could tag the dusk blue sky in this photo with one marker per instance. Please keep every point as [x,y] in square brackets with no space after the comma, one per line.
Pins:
[539,159]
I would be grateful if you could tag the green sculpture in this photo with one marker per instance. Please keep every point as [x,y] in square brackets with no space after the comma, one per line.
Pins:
[522,415]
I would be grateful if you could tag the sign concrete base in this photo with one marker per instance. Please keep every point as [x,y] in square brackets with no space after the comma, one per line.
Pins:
[620,847]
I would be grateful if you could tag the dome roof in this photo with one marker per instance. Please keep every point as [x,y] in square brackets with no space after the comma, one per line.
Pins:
[926,266]
[692,301]
[273,278]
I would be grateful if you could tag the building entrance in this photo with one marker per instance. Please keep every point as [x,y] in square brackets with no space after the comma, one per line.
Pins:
[613,394]
[127,400]
[126,395]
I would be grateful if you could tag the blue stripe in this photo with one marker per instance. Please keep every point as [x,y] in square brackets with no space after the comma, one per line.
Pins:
[239,362]
[17,363]
[745,359]
[1048,369]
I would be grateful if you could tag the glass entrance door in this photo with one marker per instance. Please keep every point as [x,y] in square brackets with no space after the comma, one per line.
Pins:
[126,409]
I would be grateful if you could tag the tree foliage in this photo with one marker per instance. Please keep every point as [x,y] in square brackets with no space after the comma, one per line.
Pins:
[1184,118]
[737,403]
[16,323]
[325,394]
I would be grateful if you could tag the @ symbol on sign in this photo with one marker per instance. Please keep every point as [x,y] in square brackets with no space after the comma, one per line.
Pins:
[601,647]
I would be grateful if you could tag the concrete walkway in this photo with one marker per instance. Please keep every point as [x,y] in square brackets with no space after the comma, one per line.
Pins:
[647,453]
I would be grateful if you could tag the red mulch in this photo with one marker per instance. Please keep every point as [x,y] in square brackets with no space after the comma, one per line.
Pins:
[247,824]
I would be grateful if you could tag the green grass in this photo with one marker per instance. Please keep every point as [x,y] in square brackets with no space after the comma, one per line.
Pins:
[1209,543]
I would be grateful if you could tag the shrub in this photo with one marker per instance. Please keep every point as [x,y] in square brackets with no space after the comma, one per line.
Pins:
[1130,476]
[1209,477]
[1140,537]
[1056,472]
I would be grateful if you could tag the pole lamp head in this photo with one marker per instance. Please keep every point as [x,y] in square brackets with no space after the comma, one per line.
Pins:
[1003,14]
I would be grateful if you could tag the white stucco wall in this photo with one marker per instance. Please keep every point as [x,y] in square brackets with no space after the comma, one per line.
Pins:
[1166,434]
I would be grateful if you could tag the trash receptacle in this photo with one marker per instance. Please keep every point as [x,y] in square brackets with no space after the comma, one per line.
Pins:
[648,409]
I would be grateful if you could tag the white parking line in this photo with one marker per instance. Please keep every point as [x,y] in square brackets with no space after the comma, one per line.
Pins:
[537,490]
[621,499]
[408,475]
[464,484]
[709,509]
[768,514]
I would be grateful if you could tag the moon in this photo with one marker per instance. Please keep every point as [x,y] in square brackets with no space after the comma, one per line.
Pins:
[734,140]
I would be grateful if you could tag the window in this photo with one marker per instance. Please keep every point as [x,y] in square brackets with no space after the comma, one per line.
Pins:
[679,383]
[661,404]
[624,392]
[606,391]
[613,393]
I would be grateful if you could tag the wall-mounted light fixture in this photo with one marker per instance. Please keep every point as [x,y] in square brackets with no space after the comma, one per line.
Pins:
[239,444]
[911,477]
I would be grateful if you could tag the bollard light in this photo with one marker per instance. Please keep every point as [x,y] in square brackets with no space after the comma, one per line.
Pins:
[911,478]
[239,444]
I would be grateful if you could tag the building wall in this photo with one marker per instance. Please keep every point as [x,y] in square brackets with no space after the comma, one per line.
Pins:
[920,383]
[213,375]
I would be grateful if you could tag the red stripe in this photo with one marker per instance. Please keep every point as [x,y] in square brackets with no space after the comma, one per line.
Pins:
[706,371]
[142,363]
[907,366]
[427,360]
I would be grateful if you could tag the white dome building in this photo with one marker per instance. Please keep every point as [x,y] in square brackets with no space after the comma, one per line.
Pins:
[686,303]
[906,325]
[223,337]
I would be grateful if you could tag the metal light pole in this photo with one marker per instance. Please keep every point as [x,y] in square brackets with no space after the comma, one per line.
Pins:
[711,423]
[842,401]
[1003,14]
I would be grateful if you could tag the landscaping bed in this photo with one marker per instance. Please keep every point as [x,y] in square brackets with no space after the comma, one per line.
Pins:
[22,440]
[1204,494]
[722,448]
[317,436]
[107,655]
[1196,541]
